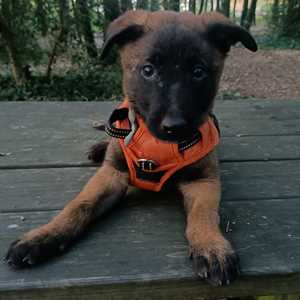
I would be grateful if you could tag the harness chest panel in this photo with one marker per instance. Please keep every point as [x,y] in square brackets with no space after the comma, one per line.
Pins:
[151,161]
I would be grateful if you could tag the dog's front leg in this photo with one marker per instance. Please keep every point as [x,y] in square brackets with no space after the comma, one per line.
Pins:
[103,190]
[212,255]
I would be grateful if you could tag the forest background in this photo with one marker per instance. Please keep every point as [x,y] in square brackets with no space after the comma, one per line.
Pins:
[49,50]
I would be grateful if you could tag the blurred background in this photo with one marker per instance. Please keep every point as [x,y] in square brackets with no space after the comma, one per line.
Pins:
[49,50]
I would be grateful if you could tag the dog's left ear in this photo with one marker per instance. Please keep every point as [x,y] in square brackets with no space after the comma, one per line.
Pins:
[126,28]
[223,34]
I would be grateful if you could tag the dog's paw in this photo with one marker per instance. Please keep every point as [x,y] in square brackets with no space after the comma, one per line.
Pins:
[97,152]
[216,266]
[26,252]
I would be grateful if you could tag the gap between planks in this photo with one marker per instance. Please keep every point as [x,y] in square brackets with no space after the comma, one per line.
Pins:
[93,165]
[58,209]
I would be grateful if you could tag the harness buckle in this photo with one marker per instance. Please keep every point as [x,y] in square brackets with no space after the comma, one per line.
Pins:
[147,165]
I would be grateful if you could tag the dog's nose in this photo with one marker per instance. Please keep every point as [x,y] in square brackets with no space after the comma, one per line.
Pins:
[173,124]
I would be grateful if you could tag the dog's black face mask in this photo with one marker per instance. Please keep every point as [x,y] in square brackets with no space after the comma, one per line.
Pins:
[174,84]
[172,65]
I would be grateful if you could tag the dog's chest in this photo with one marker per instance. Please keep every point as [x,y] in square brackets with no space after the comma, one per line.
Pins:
[151,162]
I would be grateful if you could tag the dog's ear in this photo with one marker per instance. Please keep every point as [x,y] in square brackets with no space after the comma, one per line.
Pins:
[223,33]
[126,28]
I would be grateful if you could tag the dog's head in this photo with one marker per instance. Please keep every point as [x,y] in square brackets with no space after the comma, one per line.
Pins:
[172,63]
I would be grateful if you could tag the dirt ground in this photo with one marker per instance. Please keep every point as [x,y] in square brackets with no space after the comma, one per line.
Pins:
[273,74]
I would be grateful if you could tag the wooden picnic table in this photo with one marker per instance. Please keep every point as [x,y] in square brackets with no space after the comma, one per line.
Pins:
[139,250]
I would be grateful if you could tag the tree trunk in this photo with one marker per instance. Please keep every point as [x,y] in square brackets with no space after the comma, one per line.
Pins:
[174,5]
[192,6]
[234,9]
[201,7]
[291,18]
[251,14]
[154,5]
[76,21]
[211,5]
[13,53]
[226,8]
[86,27]
[218,5]
[205,5]
[64,17]
[58,41]
[126,5]
[111,10]
[62,37]
[21,13]
[275,12]
[244,12]
[5,10]
[41,16]
[142,4]
[165,4]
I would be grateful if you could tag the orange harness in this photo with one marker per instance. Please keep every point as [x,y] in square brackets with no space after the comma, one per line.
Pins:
[151,161]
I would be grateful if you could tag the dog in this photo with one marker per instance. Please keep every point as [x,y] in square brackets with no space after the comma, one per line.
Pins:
[172,63]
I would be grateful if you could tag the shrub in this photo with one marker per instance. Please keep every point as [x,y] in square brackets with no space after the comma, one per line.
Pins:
[89,83]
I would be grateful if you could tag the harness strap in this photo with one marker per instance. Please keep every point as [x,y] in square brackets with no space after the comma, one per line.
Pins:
[145,169]
[148,176]
[184,145]
[216,122]
[121,114]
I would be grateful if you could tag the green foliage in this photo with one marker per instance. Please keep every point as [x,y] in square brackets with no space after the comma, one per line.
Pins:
[154,5]
[273,41]
[284,18]
[91,83]
[62,38]
[18,15]
[96,14]
[229,95]
[142,4]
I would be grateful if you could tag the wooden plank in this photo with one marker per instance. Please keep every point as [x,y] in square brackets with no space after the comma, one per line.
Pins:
[34,133]
[229,109]
[48,152]
[157,290]
[260,180]
[42,189]
[72,152]
[265,232]
[259,148]
[263,127]
[267,241]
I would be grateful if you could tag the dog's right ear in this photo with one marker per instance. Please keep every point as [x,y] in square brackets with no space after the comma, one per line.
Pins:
[125,29]
[223,33]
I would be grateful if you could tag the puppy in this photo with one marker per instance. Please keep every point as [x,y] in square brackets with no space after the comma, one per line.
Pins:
[172,64]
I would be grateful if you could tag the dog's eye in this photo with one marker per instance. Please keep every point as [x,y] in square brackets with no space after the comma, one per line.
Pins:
[148,71]
[198,73]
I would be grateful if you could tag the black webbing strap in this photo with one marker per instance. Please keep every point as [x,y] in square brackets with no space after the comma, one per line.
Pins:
[117,115]
[149,176]
[186,144]
[122,114]
[216,122]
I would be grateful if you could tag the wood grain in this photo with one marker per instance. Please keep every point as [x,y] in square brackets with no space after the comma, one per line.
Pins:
[139,251]
[39,134]
[52,188]
[144,241]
